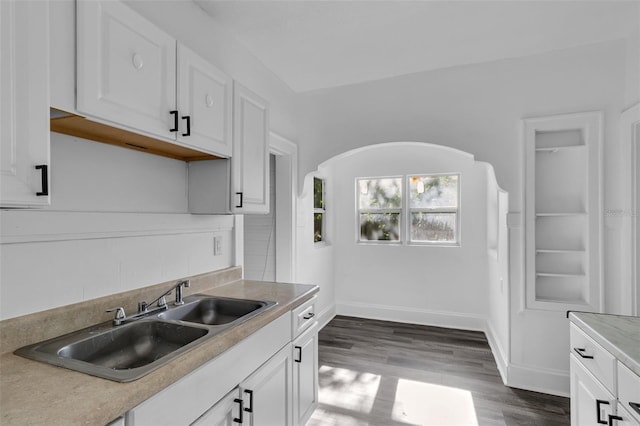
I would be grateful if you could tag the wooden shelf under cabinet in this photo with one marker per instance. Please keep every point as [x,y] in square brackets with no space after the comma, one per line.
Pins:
[75,125]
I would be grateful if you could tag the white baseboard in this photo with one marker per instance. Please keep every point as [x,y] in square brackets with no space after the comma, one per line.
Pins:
[554,382]
[412,315]
[326,315]
[499,354]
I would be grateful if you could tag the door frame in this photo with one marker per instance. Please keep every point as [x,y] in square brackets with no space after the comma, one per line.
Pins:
[286,153]
[629,138]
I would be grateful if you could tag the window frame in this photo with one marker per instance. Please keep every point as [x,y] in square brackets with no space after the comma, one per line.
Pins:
[398,210]
[322,211]
[410,210]
[405,212]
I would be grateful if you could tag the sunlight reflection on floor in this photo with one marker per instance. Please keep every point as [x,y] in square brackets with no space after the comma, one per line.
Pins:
[354,396]
[348,389]
[428,404]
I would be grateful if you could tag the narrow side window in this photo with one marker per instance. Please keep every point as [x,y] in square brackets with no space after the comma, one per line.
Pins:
[319,210]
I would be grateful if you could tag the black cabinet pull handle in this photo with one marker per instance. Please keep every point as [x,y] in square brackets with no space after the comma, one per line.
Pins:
[239,419]
[188,118]
[45,179]
[612,418]
[309,315]
[299,349]
[635,406]
[249,409]
[581,351]
[175,121]
[600,402]
[241,199]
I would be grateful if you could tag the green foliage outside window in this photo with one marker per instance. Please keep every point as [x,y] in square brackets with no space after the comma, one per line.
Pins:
[318,209]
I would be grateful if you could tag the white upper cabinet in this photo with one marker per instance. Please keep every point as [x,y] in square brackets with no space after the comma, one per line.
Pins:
[24,103]
[204,104]
[250,162]
[126,68]
[132,74]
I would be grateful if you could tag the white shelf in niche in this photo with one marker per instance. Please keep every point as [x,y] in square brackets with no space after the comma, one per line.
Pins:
[558,251]
[563,212]
[554,149]
[554,274]
[558,214]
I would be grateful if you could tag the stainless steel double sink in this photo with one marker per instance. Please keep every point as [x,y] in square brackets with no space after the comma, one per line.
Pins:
[127,352]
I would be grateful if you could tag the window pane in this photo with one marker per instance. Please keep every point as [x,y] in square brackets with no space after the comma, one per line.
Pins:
[317,227]
[433,227]
[379,226]
[380,193]
[433,191]
[318,193]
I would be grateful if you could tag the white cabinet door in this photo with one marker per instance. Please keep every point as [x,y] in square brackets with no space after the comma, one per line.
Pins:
[590,401]
[225,412]
[305,375]
[250,162]
[126,68]
[267,392]
[204,104]
[24,103]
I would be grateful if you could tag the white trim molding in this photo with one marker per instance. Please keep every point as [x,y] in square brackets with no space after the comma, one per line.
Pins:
[24,226]
[629,137]
[554,382]
[412,315]
[286,153]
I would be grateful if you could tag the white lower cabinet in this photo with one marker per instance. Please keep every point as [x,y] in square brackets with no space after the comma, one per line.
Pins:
[267,393]
[591,403]
[603,390]
[225,412]
[305,375]
[268,379]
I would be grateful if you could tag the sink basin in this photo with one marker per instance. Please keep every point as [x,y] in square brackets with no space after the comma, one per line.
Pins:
[122,353]
[215,310]
[129,351]
[133,346]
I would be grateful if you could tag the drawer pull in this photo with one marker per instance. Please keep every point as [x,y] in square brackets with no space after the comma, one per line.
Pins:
[188,118]
[44,177]
[635,406]
[581,351]
[600,402]
[241,403]
[175,121]
[612,418]
[309,316]
[249,409]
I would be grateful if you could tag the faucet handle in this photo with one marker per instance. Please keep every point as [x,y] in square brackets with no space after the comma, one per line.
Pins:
[120,315]
[162,301]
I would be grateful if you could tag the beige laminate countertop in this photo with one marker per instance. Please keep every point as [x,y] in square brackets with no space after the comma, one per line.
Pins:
[34,393]
[618,334]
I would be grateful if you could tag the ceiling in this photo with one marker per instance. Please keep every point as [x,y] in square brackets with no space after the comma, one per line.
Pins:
[319,44]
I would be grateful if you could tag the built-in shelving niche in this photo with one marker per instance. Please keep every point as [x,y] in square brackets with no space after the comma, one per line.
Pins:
[563,206]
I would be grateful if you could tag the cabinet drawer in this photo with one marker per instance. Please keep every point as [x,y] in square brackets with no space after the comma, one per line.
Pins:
[303,316]
[594,357]
[629,390]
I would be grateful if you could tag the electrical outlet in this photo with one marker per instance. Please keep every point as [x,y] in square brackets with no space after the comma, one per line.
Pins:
[217,246]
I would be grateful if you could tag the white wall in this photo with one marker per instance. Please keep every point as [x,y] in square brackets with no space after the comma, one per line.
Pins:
[260,237]
[315,261]
[428,284]
[478,109]
[118,218]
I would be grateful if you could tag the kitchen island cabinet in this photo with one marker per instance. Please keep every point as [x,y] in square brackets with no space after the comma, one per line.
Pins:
[605,369]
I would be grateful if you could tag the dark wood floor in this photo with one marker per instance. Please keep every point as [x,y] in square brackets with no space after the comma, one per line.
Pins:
[391,374]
